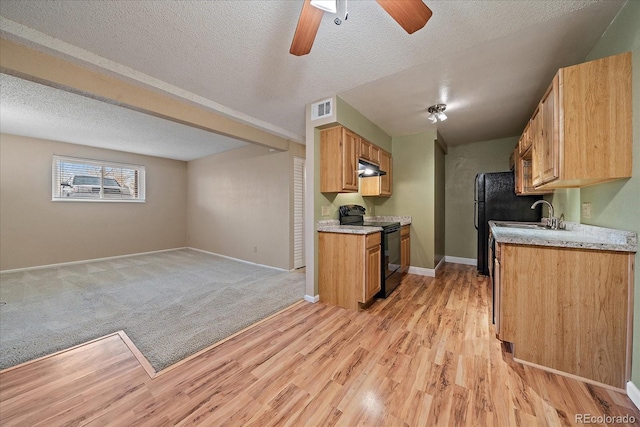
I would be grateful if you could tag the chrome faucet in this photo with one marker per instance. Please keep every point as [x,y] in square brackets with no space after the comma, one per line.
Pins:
[552,221]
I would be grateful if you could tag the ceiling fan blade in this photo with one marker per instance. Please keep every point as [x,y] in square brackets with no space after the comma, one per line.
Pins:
[410,14]
[306,30]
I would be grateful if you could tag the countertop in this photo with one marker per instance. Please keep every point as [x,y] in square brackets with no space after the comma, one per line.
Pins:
[333,225]
[575,235]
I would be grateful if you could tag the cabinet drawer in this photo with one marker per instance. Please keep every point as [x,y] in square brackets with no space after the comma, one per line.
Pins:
[373,240]
[404,231]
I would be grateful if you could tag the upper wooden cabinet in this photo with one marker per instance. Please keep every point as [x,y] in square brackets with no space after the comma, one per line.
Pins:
[379,185]
[340,150]
[338,160]
[522,162]
[369,152]
[524,144]
[545,150]
[523,177]
[581,132]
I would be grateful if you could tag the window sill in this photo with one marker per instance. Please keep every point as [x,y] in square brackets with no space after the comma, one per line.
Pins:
[71,199]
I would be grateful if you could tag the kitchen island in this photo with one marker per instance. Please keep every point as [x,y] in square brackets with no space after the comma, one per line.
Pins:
[564,298]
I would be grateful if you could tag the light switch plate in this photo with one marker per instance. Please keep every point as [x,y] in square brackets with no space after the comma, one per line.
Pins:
[326,210]
[586,210]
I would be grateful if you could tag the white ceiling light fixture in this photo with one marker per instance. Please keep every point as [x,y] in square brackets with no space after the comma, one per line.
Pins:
[326,5]
[436,112]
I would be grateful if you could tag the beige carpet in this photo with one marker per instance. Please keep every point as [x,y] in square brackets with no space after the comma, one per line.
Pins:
[171,304]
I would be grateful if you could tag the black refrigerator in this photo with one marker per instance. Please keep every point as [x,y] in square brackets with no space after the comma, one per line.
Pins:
[496,200]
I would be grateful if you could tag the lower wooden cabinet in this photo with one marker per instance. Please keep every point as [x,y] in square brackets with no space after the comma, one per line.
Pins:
[373,272]
[567,310]
[349,268]
[405,248]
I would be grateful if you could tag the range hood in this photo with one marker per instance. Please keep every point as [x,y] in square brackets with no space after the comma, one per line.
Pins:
[366,169]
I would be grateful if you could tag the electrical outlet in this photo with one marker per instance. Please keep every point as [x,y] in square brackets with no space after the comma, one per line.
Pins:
[586,210]
[326,210]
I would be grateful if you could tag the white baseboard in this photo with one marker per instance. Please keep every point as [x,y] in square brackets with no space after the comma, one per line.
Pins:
[238,259]
[458,260]
[62,264]
[429,272]
[634,393]
[313,299]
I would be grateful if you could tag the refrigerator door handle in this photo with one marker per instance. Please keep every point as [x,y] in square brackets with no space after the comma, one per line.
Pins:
[475,189]
[475,215]
[475,202]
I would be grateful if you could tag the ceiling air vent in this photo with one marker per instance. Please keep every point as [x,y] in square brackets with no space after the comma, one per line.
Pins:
[321,109]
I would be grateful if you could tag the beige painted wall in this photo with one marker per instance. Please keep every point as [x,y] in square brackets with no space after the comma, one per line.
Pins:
[239,205]
[35,231]
[462,164]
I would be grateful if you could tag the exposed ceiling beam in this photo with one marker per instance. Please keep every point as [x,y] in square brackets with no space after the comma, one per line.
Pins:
[40,67]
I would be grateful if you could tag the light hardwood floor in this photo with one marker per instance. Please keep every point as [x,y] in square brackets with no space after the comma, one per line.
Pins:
[426,356]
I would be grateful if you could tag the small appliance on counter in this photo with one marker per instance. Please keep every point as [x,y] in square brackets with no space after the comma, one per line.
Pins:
[390,242]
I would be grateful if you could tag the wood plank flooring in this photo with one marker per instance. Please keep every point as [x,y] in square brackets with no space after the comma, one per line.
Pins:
[426,356]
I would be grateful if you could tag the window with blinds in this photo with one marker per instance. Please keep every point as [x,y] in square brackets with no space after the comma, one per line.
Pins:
[76,179]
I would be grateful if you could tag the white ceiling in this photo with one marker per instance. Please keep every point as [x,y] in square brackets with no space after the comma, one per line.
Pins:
[40,111]
[490,61]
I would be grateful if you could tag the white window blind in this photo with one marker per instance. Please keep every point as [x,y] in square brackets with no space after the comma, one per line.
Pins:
[74,179]
[298,212]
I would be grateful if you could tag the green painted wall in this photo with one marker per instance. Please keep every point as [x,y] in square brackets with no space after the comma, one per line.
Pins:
[440,202]
[462,164]
[617,204]
[349,117]
[414,193]
[565,201]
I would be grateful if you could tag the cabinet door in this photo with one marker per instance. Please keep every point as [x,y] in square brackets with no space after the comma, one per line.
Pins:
[386,181]
[374,154]
[519,186]
[535,131]
[372,280]
[525,140]
[368,151]
[405,253]
[549,133]
[364,149]
[497,308]
[350,143]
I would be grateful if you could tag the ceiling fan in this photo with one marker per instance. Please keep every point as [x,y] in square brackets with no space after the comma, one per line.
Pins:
[410,14]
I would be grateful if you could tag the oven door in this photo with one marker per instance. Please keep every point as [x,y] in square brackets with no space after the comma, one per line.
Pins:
[391,252]
[391,270]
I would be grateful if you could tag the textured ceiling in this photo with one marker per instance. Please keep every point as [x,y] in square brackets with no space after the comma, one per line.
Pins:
[39,111]
[488,60]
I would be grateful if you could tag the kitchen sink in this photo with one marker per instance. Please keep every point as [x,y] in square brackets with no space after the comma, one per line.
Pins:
[524,225]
